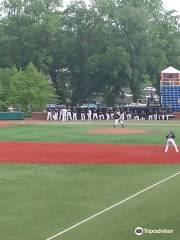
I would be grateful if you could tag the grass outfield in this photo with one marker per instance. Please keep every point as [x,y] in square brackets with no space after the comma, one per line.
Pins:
[39,201]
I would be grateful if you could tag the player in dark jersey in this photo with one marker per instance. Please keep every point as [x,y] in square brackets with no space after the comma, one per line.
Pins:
[170,141]
[74,114]
[116,119]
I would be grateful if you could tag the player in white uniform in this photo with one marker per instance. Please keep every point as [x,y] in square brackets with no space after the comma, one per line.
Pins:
[49,114]
[122,115]
[55,115]
[107,114]
[69,116]
[155,115]
[89,114]
[74,114]
[150,115]
[83,116]
[121,120]
[64,114]
[170,141]
[95,116]
[117,119]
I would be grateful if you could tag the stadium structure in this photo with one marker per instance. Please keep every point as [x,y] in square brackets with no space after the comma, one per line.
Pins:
[170,88]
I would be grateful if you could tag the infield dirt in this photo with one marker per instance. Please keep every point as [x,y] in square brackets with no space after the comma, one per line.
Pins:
[61,153]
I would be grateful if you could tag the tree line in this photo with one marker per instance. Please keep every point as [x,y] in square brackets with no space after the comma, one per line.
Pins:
[78,50]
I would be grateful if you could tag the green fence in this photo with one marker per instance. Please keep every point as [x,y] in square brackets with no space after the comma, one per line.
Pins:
[11,115]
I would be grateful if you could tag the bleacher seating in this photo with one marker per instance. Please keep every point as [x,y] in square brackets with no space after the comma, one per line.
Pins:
[170,95]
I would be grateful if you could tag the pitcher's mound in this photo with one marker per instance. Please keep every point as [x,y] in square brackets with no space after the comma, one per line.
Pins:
[117,131]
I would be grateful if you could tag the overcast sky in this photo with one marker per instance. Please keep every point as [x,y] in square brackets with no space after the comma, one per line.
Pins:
[172,4]
[168,4]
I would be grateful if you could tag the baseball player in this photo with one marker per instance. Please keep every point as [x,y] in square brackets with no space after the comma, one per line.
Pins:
[170,141]
[60,114]
[143,115]
[111,113]
[69,117]
[49,114]
[150,114]
[64,114]
[128,115]
[122,115]
[117,119]
[136,117]
[83,116]
[101,115]
[89,114]
[55,115]
[74,114]
[107,114]
[161,114]
[121,120]
[155,115]
[95,116]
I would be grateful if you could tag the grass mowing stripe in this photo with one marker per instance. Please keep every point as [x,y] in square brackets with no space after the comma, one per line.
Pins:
[114,205]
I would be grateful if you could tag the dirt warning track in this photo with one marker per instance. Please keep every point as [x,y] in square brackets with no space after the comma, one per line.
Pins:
[61,153]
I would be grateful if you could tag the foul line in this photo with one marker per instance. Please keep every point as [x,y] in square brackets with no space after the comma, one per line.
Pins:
[115,205]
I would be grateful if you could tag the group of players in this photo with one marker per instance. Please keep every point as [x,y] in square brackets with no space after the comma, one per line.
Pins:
[65,114]
[118,115]
[170,137]
[74,114]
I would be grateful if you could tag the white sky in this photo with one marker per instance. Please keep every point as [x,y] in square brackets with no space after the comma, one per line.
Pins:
[168,4]
[172,4]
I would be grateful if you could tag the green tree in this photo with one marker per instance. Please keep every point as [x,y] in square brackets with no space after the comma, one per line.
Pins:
[5,91]
[31,90]
[89,49]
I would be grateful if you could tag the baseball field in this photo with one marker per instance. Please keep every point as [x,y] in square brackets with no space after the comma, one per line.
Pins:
[88,181]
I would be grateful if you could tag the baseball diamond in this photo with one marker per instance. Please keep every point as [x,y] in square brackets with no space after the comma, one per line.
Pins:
[89,120]
[53,175]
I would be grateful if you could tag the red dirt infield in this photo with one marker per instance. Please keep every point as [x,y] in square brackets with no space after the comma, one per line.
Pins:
[61,153]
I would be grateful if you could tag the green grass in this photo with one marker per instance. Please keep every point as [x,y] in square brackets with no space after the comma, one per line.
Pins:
[79,133]
[38,201]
